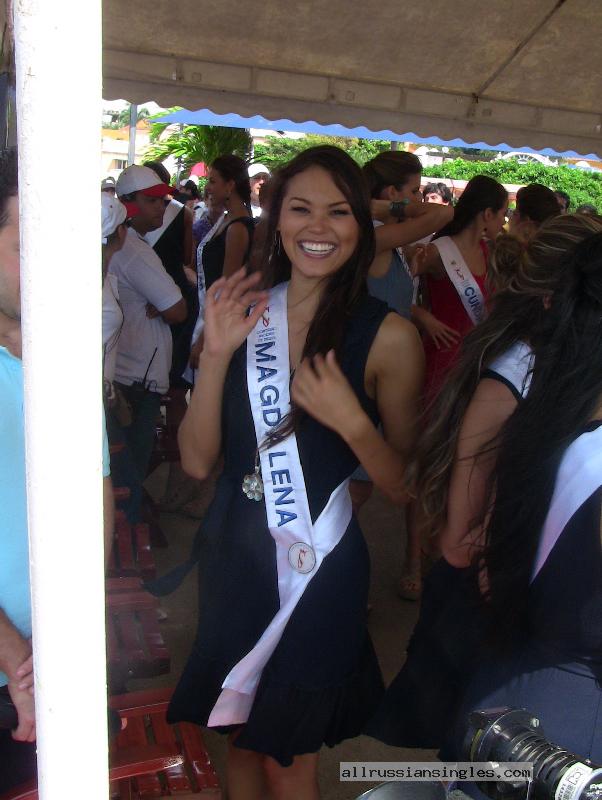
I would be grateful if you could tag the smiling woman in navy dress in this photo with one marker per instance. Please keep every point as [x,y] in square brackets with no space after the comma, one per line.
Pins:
[282,661]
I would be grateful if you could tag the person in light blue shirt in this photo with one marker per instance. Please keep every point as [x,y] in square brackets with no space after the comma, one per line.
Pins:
[17,753]
[17,748]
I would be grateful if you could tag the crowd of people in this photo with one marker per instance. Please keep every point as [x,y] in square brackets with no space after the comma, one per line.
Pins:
[339,329]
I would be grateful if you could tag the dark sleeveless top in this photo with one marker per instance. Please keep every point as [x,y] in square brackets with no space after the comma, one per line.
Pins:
[323,681]
[170,249]
[556,673]
[214,252]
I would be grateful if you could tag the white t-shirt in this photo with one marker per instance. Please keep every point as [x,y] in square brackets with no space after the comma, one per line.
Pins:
[513,368]
[142,279]
[112,321]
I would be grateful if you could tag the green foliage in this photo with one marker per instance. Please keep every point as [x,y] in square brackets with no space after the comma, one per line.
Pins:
[122,118]
[194,143]
[582,187]
[276,152]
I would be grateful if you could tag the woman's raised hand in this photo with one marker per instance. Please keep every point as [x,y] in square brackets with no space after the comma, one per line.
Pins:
[322,390]
[227,323]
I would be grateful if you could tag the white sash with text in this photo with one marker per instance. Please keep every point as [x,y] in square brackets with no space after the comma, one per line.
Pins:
[463,280]
[301,545]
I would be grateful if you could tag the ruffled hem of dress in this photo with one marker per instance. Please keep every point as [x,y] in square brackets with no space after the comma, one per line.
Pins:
[287,721]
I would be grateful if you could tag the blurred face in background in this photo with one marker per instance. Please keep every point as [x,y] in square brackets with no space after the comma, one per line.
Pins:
[257,182]
[494,221]
[410,190]
[218,189]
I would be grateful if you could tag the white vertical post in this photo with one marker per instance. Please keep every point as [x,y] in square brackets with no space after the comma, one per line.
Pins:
[58,59]
[132,136]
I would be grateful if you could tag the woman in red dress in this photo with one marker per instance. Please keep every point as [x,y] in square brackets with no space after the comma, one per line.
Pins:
[451,308]
[479,216]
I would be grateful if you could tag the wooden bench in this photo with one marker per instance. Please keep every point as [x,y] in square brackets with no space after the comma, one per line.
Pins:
[135,645]
[131,554]
[195,775]
[150,758]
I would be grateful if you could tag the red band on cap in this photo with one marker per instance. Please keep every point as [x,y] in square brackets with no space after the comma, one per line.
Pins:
[160,190]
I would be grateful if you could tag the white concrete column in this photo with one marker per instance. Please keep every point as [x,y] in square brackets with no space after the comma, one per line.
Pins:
[59,89]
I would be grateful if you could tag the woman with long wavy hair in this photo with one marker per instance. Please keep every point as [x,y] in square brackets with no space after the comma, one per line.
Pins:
[457,456]
[541,545]
[283,662]
[455,290]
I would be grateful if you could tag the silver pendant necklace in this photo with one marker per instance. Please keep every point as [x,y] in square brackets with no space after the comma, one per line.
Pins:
[252,485]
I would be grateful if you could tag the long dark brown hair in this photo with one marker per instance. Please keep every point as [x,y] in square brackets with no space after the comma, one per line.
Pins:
[517,314]
[344,289]
[565,393]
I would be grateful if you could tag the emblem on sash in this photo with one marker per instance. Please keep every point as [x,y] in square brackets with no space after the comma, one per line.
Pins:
[301,557]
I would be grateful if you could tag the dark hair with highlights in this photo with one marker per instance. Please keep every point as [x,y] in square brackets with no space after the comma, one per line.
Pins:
[565,392]
[517,314]
[9,180]
[344,289]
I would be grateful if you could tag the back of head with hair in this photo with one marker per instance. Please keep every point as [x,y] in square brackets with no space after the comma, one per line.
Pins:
[160,170]
[392,168]
[567,200]
[233,168]
[191,187]
[9,180]
[518,314]
[586,208]
[565,393]
[481,193]
[537,202]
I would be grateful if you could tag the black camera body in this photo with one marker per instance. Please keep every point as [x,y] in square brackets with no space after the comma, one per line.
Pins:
[515,735]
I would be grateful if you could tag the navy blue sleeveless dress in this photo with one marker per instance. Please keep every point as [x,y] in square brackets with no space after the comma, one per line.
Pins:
[557,673]
[323,681]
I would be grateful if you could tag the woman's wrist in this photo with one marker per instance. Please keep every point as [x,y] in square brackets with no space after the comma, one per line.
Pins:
[214,360]
[355,428]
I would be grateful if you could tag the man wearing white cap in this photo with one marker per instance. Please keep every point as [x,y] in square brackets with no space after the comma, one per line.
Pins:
[258,175]
[151,302]
[108,185]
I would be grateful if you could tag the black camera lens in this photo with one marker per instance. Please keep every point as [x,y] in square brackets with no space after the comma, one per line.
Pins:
[514,735]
